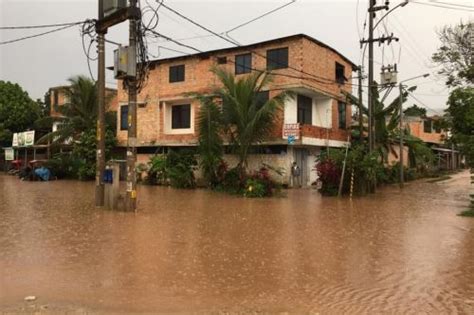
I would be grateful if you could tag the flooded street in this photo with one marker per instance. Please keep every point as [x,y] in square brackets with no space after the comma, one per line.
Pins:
[196,251]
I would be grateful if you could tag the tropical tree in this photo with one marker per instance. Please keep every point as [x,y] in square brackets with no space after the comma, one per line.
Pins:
[387,120]
[77,124]
[210,141]
[18,111]
[241,111]
[455,56]
[461,117]
[78,115]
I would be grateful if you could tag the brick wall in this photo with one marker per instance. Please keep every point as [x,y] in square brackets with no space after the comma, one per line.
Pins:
[304,55]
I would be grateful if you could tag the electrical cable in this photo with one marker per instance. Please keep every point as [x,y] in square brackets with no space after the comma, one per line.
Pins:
[38,26]
[38,35]
[431,4]
[259,17]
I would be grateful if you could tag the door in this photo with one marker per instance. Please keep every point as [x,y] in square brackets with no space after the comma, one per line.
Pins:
[301,159]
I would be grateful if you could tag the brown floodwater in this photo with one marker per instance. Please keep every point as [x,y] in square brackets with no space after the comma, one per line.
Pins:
[196,251]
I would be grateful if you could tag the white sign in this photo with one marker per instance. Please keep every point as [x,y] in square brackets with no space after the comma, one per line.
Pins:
[15,140]
[23,139]
[9,154]
[292,130]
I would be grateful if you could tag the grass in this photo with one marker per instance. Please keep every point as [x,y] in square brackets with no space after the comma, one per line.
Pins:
[467,213]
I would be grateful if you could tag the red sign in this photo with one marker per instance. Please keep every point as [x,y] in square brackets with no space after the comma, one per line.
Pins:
[292,130]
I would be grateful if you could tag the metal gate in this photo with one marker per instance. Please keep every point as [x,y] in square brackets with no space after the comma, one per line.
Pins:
[301,159]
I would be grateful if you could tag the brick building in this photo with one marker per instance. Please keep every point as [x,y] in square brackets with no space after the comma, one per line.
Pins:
[316,72]
[431,132]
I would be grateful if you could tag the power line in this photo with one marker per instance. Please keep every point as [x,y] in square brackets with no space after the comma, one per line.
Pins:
[431,4]
[238,45]
[173,40]
[454,4]
[38,26]
[38,35]
[260,16]
[423,104]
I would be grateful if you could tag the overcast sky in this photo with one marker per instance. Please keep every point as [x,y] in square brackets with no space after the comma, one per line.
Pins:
[39,63]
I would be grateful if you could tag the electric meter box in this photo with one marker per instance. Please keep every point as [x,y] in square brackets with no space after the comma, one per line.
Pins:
[125,64]
[112,6]
[387,78]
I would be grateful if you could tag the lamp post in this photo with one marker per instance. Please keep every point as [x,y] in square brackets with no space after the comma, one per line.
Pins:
[400,99]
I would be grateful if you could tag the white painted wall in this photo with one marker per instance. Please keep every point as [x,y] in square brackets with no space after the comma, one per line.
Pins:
[322,113]
[290,111]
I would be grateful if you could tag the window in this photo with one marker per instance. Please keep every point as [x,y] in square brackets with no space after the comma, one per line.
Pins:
[221,60]
[427,127]
[277,58]
[340,78]
[262,98]
[124,117]
[437,126]
[177,73]
[341,109]
[243,63]
[305,110]
[56,98]
[181,116]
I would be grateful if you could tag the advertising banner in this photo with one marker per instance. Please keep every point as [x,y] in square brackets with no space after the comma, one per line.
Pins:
[23,139]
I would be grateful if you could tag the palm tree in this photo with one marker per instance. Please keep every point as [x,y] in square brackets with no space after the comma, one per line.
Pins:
[387,119]
[78,115]
[247,117]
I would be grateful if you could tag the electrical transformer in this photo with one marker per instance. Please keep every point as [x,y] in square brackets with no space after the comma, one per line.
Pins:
[125,63]
[111,6]
[387,78]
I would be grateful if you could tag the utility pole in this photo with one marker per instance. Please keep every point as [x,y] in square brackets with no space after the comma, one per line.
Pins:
[371,73]
[100,152]
[131,198]
[361,116]
[400,100]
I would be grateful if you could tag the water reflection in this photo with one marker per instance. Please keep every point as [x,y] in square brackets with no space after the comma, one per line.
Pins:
[396,252]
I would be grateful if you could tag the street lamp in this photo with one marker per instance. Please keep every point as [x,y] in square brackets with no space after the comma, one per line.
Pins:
[401,123]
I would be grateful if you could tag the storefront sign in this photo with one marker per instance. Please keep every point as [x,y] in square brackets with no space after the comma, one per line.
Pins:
[9,154]
[292,130]
[23,139]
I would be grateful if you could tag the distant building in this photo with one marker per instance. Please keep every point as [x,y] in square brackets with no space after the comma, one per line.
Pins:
[316,72]
[429,129]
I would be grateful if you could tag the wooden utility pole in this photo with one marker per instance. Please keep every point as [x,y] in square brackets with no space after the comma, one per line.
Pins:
[361,116]
[100,153]
[400,101]
[371,74]
[131,198]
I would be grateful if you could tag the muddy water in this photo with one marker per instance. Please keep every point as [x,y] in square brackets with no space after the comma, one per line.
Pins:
[204,252]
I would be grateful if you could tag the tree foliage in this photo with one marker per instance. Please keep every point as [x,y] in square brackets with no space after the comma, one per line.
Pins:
[18,111]
[79,114]
[455,56]
[415,110]
[245,118]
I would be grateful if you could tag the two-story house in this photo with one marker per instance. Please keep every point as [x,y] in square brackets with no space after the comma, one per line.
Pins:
[166,117]
[429,129]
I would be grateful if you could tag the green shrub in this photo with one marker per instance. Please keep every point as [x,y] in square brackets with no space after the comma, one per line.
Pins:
[157,174]
[255,188]
[180,168]
[175,168]
[63,165]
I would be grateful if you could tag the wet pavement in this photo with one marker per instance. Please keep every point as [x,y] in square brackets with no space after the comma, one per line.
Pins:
[196,251]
